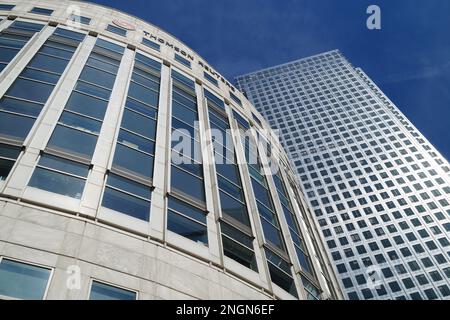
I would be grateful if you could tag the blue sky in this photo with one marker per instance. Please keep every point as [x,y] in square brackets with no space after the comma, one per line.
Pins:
[409,58]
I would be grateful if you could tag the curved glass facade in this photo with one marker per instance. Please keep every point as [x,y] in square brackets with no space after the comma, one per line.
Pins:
[128,132]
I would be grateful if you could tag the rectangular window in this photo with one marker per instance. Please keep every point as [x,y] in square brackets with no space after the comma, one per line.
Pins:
[79,126]
[116,30]
[6,7]
[211,79]
[187,221]
[311,290]
[128,197]
[238,246]
[102,291]
[128,187]
[182,60]
[8,156]
[80,19]
[24,100]
[280,272]
[235,99]
[134,154]
[237,243]
[151,44]
[23,281]
[43,11]
[187,169]
[60,176]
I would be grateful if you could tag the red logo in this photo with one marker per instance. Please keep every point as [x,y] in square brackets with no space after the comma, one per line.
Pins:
[124,24]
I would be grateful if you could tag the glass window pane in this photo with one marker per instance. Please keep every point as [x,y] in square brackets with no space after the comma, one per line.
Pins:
[272,234]
[40,75]
[183,113]
[103,63]
[129,186]
[80,19]
[282,280]
[187,183]
[109,46]
[129,159]
[141,77]
[72,140]
[45,62]
[96,76]
[57,182]
[27,26]
[262,194]
[137,142]
[7,54]
[186,209]
[193,168]
[303,259]
[42,11]
[229,171]
[30,90]
[230,188]
[143,94]
[64,165]
[239,253]
[141,108]
[80,122]
[69,34]
[87,105]
[266,213]
[127,204]
[148,61]
[150,44]
[234,208]
[92,90]
[186,228]
[183,127]
[182,98]
[7,151]
[101,291]
[62,46]
[116,30]
[57,52]
[139,124]
[13,40]
[15,126]
[5,168]
[19,106]
[22,281]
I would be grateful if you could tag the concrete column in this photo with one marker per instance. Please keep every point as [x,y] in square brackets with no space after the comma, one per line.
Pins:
[209,176]
[160,173]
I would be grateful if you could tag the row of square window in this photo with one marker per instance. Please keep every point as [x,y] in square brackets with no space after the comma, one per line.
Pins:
[386,243]
[21,280]
[362,224]
[399,268]
[312,74]
[309,62]
[430,293]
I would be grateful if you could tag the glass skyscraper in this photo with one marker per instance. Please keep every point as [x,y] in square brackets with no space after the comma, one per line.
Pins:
[379,190]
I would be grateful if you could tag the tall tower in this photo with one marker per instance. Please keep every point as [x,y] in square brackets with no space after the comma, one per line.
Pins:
[379,190]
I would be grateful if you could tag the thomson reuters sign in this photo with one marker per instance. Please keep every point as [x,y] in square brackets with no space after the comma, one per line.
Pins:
[131,27]
[124,24]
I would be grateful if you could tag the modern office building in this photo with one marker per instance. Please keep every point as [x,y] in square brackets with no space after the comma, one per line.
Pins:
[100,194]
[379,190]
